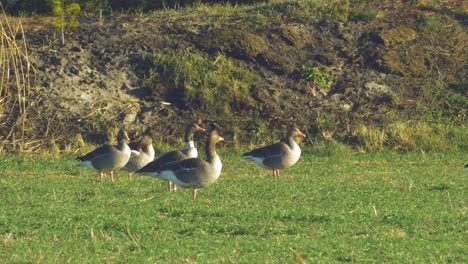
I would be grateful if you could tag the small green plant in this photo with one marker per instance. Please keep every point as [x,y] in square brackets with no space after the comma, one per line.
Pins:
[366,15]
[257,19]
[317,77]
[258,127]
[341,10]
[66,16]
[428,24]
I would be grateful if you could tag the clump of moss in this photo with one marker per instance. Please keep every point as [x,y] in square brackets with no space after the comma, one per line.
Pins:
[197,82]
[236,42]
[396,36]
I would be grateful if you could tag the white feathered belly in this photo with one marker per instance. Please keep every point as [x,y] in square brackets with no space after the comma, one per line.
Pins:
[257,160]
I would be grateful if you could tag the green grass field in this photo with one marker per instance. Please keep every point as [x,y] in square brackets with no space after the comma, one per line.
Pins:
[380,207]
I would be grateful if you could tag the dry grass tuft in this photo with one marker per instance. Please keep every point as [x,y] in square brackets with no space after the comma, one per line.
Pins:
[15,83]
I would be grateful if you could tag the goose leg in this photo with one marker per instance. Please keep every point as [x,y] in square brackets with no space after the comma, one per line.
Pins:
[194,194]
[130,176]
[276,172]
[101,176]
[111,175]
[172,186]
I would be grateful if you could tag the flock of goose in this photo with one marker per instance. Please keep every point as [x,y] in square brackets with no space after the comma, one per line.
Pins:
[183,167]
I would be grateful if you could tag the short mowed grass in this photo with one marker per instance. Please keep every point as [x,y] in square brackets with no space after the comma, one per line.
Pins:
[378,207]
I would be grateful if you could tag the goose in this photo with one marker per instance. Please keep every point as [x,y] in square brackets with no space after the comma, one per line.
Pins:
[190,151]
[142,154]
[277,156]
[108,158]
[192,173]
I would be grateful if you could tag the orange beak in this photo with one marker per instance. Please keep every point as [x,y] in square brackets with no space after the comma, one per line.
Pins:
[199,128]
[301,134]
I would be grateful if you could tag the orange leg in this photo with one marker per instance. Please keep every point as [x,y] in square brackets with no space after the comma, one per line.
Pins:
[194,194]
[101,176]
[276,173]
[172,186]
[111,175]
[130,176]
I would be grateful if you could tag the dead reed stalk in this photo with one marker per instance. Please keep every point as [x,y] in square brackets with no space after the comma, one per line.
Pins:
[15,82]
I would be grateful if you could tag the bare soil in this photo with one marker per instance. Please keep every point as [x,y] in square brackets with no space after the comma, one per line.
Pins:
[96,81]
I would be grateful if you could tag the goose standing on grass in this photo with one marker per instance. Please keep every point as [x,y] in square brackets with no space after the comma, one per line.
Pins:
[142,154]
[190,151]
[191,173]
[277,156]
[108,158]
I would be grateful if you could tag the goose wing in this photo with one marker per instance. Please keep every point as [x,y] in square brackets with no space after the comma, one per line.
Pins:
[267,151]
[188,171]
[171,157]
[98,153]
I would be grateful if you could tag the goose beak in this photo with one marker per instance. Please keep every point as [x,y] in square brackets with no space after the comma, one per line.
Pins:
[301,134]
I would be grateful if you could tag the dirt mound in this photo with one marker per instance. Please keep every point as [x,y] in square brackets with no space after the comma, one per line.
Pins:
[105,74]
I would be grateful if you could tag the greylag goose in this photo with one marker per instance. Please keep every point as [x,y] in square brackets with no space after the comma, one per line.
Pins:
[142,154]
[277,156]
[108,158]
[191,173]
[190,151]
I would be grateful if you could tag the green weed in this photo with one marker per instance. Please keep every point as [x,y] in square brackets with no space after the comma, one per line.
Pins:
[365,14]
[340,10]
[317,77]
[67,16]
[257,19]
[428,24]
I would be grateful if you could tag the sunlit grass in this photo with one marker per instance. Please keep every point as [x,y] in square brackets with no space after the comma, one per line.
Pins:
[328,208]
